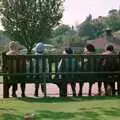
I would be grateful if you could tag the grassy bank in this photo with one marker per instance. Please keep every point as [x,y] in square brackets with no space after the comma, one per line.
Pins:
[85,108]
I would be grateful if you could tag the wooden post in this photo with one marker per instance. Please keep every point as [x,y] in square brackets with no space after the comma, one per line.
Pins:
[118,87]
[44,62]
[5,86]
[5,90]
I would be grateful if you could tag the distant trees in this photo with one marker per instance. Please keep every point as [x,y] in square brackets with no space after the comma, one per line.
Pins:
[92,28]
[89,29]
[86,29]
[30,21]
[113,20]
[64,35]
[113,12]
[62,30]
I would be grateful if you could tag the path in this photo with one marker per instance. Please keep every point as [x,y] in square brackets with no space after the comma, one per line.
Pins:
[52,90]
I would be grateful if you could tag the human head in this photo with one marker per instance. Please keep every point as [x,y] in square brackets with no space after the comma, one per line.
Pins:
[68,50]
[90,48]
[39,48]
[13,46]
[110,48]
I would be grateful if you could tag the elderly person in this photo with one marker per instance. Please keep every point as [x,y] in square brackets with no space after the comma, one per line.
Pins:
[14,50]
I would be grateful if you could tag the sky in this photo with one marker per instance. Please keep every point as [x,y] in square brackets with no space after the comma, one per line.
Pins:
[75,11]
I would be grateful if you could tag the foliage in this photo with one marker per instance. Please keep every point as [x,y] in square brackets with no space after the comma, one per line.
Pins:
[30,21]
[88,18]
[99,27]
[113,22]
[61,30]
[113,12]
[93,28]
[86,29]
[89,29]
[63,36]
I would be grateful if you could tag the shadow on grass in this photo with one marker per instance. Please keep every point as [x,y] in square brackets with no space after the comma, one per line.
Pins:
[50,115]
[68,99]
[8,116]
[7,110]
[112,112]
[94,113]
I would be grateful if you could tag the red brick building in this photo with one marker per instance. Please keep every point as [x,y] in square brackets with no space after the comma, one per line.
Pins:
[101,43]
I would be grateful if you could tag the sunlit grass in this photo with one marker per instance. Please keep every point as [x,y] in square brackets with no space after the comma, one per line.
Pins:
[85,108]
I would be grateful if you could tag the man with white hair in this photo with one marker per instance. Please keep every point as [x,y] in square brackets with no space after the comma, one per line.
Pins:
[39,48]
[14,50]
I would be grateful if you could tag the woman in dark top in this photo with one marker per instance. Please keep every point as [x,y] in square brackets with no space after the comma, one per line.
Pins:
[69,64]
[89,50]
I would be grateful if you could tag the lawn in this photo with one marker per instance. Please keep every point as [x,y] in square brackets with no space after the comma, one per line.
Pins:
[85,108]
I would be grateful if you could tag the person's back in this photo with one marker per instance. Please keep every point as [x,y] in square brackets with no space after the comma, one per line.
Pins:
[40,65]
[107,64]
[68,65]
[12,51]
[88,50]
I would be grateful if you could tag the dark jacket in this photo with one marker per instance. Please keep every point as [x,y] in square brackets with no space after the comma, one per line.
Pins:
[69,65]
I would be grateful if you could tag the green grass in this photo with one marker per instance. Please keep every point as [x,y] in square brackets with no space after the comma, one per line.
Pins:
[85,108]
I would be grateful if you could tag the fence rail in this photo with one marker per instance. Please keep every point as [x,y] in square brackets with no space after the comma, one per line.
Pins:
[44,69]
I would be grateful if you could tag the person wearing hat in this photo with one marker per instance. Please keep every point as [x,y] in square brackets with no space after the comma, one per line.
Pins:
[39,50]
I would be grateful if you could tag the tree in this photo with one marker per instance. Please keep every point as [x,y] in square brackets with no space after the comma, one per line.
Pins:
[113,12]
[89,18]
[99,27]
[30,21]
[113,20]
[63,36]
[62,30]
[86,29]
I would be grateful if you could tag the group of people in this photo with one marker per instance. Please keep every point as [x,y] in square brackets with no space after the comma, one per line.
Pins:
[103,65]
[14,50]
[62,66]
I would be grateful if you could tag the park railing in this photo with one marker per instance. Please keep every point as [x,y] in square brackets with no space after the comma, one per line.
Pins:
[46,69]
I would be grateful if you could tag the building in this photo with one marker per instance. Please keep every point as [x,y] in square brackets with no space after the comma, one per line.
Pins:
[78,47]
[107,39]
